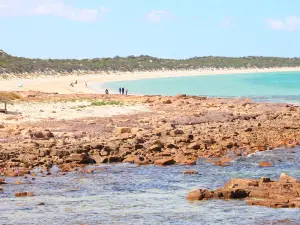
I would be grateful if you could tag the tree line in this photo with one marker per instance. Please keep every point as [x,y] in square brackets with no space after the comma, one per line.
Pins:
[19,65]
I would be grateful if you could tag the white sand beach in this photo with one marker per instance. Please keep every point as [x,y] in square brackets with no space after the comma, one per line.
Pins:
[61,83]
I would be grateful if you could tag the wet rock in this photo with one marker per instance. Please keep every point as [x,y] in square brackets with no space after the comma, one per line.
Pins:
[190,172]
[164,162]
[114,159]
[23,194]
[89,171]
[264,164]
[16,172]
[199,195]
[136,159]
[2,181]
[263,192]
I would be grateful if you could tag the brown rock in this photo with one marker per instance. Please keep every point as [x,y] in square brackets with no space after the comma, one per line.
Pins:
[123,130]
[199,194]
[194,146]
[136,159]
[264,164]
[283,193]
[79,158]
[190,172]
[286,178]
[194,195]
[114,159]
[155,148]
[180,96]
[10,173]
[2,181]
[167,101]
[164,162]
[23,194]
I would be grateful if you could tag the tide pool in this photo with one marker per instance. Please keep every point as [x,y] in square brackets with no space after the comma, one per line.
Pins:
[276,87]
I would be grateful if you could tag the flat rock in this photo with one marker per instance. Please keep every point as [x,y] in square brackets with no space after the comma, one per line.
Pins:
[283,193]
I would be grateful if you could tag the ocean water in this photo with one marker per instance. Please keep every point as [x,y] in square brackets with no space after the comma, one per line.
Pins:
[127,194]
[275,87]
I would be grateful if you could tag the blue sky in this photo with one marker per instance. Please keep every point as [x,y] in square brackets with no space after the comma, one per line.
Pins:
[162,28]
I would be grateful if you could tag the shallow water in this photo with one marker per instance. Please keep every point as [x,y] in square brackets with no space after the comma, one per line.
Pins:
[127,194]
[275,87]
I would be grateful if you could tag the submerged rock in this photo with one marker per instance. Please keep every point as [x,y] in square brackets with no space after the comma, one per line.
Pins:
[23,194]
[190,172]
[264,164]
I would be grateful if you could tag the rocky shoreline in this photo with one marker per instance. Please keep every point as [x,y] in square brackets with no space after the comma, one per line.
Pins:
[169,130]
[174,130]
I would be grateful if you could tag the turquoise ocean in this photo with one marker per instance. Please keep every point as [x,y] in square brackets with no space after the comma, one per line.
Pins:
[274,87]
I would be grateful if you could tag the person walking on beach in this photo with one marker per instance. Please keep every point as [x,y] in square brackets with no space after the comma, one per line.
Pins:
[122,91]
[126,91]
[106,91]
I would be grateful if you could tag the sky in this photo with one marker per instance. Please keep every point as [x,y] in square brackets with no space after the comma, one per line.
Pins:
[161,28]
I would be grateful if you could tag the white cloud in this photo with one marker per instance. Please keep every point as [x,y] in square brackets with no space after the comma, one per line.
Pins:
[157,16]
[226,22]
[55,8]
[290,23]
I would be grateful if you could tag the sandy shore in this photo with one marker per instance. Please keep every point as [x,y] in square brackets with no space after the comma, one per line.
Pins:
[61,84]
[31,112]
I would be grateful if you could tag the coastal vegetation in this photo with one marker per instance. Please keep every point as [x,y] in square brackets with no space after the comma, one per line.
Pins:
[9,96]
[102,103]
[18,65]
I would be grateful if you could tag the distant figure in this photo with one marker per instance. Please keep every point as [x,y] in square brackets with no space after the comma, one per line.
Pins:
[106,91]
[126,91]
[123,91]
[75,81]
[120,90]
[20,84]
[85,83]
[71,85]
